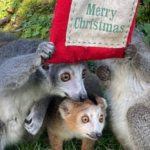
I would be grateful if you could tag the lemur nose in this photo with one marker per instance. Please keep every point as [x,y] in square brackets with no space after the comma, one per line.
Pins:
[98,135]
[83,97]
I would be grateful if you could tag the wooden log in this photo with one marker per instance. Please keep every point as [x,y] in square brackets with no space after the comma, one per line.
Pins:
[10,10]
[5,20]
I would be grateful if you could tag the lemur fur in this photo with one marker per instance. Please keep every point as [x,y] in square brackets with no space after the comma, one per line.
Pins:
[127,83]
[24,80]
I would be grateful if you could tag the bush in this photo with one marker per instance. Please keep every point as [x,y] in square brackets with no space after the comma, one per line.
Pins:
[143,19]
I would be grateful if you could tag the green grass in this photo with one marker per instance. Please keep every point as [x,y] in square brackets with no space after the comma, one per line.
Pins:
[107,142]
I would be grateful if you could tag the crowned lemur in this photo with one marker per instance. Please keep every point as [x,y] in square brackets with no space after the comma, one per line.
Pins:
[127,83]
[24,79]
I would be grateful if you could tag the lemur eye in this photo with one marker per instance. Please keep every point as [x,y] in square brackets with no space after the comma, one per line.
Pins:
[65,77]
[101,119]
[85,119]
[83,73]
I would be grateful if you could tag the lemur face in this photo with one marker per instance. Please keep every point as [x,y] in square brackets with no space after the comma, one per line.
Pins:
[85,119]
[91,122]
[68,80]
[71,82]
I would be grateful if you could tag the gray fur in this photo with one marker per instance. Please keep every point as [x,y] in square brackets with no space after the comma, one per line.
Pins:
[7,37]
[35,119]
[138,117]
[23,81]
[92,83]
[128,91]
[2,134]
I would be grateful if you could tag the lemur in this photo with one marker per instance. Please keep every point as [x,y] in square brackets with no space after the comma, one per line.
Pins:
[127,83]
[66,119]
[24,79]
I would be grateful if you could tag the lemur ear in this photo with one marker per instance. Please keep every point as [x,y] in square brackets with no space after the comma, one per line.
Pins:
[65,108]
[102,102]
[99,72]
[46,67]
[97,100]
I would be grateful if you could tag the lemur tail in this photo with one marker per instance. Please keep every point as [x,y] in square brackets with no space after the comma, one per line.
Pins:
[6,38]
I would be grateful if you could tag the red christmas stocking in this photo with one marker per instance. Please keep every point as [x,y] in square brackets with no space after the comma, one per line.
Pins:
[92,29]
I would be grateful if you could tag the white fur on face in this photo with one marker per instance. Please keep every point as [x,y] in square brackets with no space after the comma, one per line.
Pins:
[73,87]
[94,126]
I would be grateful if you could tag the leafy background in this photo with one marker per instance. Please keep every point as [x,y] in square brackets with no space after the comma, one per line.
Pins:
[32,19]
[143,19]
[27,18]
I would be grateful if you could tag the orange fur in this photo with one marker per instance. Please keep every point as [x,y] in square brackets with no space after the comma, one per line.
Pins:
[100,101]
[63,121]
[55,142]
[87,144]
[76,108]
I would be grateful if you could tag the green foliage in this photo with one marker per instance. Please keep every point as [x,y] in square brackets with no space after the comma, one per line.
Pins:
[143,19]
[4,6]
[35,7]
[16,4]
[36,26]
[31,17]
[36,18]
[146,2]
[145,28]
[92,66]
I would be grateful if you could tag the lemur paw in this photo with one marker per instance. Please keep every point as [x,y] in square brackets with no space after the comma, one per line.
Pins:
[103,72]
[45,50]
[130,51]
[33,123]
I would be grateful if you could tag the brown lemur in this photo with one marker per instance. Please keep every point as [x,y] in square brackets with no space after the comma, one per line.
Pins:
[24,80]
[66,119]
[127,83]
